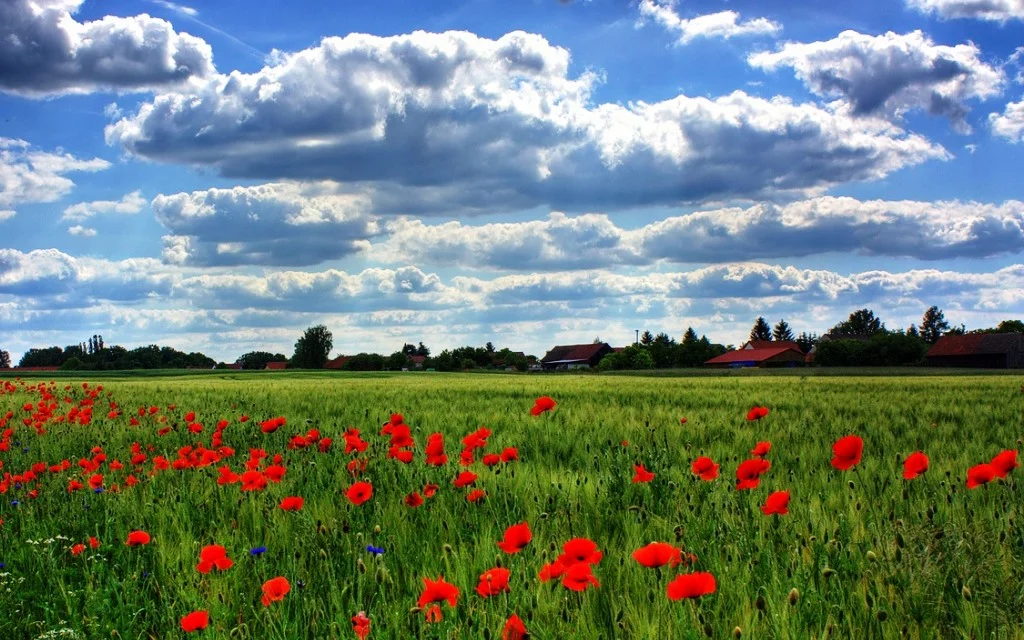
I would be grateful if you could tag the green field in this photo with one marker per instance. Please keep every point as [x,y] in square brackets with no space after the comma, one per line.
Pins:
[861,554]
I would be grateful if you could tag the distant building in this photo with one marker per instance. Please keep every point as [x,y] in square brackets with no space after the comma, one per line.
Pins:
[575,356]
[979,350]
[236,366]
[276,366]
[776,356]
[771,344]
[337,363]
[417,361]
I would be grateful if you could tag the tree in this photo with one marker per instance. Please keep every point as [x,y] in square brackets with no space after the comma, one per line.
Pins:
[761,331]
[861,323]
[259,359]
[646,337]
[782,332]
[933,325]
[312,349]
[422,350]
[957,331]
[397,361]
[807,341]
[489,346]
[690,337]
[409,349]
[1010,326]
[597,340]
[912,331]
[5,360]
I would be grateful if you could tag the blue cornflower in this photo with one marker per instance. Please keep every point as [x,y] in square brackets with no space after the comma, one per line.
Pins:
[258,551]
[14,503]
[24,450]
[375,550]
[98,490]
[3,565]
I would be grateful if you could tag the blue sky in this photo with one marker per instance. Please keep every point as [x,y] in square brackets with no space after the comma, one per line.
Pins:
[218,176]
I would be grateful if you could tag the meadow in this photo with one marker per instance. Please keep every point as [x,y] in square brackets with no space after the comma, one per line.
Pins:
[861,553]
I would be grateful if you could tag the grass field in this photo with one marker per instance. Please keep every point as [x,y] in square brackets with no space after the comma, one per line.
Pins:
[861,554]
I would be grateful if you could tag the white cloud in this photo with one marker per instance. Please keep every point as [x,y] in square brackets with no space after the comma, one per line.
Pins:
[994,10]
[500,122]
[890,74]
[28,175]
[922,230]
[271,224]
[129,204]
[79,230]
[6,214]
[724,24]
[44,51]
[177,8]
[1010,123]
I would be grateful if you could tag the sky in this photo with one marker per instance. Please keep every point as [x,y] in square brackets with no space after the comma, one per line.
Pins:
[218,176]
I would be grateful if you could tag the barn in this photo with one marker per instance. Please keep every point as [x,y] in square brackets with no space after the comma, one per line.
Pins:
[276,366]
[575,356]
[979,350]
[337,363]
[777,356]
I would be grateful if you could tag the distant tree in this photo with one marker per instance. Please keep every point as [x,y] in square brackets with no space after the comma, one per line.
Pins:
[1010,326]
[933,325]
[663,350]
[690,337]
[489,347]
[396,361]
[957,331]
[807,341]
[71,364]
[312,349]
[633,357]
[861,323]
[913,332]
[762,330]
[422,350]
[646,337]
[597,340]
[5,359]
[782,332]
[259,359]
[409,349]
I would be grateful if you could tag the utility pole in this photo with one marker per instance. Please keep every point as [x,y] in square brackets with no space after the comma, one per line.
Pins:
[637,336]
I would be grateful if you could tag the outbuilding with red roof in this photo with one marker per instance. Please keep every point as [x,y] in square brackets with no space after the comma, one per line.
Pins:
[979,350]
[575,356]
[782,355]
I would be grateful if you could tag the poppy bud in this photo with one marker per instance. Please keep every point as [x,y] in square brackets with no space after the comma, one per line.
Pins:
[828,572]
[882,616]
[966,593]
[899,540]
[794,596]
[360,565]
[759,603]
[898,555]
[376,529]
[872,557]
[323,554]
[543,515]
[851,485]
[447,549]
[708,631]
[381,575]
[869,601]
[737,633]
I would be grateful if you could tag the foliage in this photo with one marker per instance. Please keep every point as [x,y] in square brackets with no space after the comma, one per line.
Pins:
[5,359]
[807,341]
[115,357]
[883,349]
[782,332]
[259,359]
[313,348]
[762,330]
[933,325]
[861,323]
[634,357]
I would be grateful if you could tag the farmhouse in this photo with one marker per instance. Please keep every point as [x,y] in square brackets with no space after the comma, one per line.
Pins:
[779,355]
[417,361]
[981,350]
[276,366]
[575,356]
[337,363]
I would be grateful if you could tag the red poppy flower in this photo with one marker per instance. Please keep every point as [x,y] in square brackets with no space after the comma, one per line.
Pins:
[1005,462]
[846,452]
[195,621]
[136,538]
[77,549]
[980,474]
[777,503]
[579,577]
[466,458]
[580,550]
[490,459]
[915,464]
[356,466]
[682,421]
[190,416]
[761,450]
[551,571]
[516,538]
[361,625]
[359,493]
[292,503]
[253,481]
[429,490]
[691,585]
[275,473]
[508,454]
[275,589]
[757,413]
[476,494]
[401,455]
[514,629]
[642,474]
[749,472]
[705,467]
[658,554]
[492,582]
[435,450]
[542,404]
[94,542]
[272,425]
[465,478]
[438,591]
[213,556]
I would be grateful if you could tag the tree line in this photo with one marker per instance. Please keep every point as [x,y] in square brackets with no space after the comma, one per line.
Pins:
[95,355]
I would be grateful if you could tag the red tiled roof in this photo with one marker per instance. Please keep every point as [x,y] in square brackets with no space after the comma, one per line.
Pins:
[337,363]
[573,352]
[750,355]
[277,366]
[770,344]
[418,359]
[976,344]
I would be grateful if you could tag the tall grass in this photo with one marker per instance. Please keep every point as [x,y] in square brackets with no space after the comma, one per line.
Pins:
[862,554]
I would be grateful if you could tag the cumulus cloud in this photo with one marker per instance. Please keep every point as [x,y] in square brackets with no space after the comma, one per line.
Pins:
[449,111]
[993,10]
[1010,123]
[723,24]
[130,203]
[6,214]
[79,230]
[272,224]
[922,230]
[44,51]
[890,74]
[29,175]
